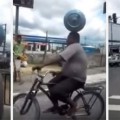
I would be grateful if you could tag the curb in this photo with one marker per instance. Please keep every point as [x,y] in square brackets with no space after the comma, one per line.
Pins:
[100,82]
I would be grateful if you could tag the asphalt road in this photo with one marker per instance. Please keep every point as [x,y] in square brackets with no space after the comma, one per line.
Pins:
[6,115]
[45,103]
[114,93]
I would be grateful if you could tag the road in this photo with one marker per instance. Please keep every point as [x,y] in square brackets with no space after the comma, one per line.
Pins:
[114,93]
[45,103]
[6,115]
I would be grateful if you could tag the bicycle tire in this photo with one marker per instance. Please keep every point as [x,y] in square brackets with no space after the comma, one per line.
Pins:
[1,98]
[102,105]
[35,103]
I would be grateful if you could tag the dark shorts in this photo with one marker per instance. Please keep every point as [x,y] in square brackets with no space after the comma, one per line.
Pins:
[64,85]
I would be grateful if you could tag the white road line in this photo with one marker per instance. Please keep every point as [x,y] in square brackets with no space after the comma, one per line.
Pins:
[114,107]
[117,97]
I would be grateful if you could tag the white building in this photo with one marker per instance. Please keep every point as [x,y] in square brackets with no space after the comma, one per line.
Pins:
[114,38]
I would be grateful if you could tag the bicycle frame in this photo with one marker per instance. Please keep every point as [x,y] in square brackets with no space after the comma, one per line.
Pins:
[99,92]
[86,104]
[37,85]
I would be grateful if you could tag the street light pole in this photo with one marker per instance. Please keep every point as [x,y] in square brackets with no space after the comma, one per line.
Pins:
[17,20]
[45,52]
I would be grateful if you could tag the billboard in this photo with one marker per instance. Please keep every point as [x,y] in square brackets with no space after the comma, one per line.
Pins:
[24,3]
[114,32]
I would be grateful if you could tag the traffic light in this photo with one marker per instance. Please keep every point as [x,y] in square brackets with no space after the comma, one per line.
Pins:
[104,7]
[114,18]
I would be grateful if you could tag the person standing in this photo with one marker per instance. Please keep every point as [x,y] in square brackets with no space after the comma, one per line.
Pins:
[18,51]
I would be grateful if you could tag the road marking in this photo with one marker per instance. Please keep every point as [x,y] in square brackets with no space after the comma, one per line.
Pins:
[114,107]
[117,97]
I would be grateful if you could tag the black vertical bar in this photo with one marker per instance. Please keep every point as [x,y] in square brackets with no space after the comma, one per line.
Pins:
[17,20]
[4,39]
[5,89]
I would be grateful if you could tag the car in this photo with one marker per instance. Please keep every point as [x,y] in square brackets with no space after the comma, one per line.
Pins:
[114,60]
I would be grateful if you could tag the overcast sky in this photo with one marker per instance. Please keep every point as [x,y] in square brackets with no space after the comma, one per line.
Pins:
[6,17]
[114,7]
[47,15]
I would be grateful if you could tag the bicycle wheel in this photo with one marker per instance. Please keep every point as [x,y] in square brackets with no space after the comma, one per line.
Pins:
[32,114]
[1,97]
[95,106]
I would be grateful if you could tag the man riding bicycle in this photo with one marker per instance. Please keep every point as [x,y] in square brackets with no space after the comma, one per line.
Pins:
[73,74]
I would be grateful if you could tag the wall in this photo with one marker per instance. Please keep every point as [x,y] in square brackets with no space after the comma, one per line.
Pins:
[94,60]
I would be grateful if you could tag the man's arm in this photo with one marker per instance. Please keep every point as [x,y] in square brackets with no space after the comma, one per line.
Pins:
[51,60]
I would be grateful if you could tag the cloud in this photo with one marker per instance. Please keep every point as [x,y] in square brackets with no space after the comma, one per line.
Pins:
[113,6]
[47,15]
[6,17]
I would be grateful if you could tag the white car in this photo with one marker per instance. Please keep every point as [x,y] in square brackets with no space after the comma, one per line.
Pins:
[114,59]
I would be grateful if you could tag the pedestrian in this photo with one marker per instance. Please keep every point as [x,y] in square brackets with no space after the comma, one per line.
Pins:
[18,51]
[24,60]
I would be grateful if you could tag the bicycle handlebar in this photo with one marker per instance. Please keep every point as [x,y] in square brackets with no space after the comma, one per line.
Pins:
[40,75]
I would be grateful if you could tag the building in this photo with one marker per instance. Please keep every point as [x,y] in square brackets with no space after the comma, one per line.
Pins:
[114,38]
[39,44]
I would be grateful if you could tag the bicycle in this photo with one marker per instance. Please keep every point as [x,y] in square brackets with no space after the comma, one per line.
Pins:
[86,98]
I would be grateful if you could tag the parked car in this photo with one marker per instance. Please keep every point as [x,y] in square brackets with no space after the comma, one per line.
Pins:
[114,60]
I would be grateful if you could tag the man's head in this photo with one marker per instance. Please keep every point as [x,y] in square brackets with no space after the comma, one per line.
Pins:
[73,37]
[18,39]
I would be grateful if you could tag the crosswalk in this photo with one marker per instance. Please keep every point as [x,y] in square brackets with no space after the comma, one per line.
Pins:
[114,103]
[114,107]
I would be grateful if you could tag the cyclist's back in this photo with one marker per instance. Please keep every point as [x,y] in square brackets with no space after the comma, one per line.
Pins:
[76,62]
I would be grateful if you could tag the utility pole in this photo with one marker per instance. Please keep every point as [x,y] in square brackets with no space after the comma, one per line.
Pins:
[104,8]
[46,46]
[5,39]
[17,20]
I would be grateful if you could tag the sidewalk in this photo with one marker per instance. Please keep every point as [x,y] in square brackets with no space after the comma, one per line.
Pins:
[28,70]
[95,76]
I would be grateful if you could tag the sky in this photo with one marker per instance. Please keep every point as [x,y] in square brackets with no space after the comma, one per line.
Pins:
[113,6]
[6,17]
[47,15]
